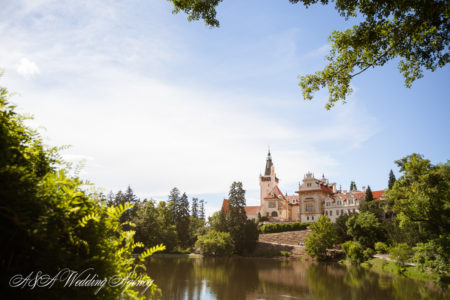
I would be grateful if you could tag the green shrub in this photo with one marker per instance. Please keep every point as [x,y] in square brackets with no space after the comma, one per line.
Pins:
[401,253]
[381,247]
[322,238]
[215,243]
[354,252]
[282,227]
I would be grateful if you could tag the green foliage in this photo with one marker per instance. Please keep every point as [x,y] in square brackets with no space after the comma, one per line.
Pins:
[154,225]
[236,216]
[401,253]
[391,180]
[369,195]
[365,228]
[218,221]
[431,255]
[215,243]
[417,32]
[49,221]
[354,252]
[381,247]
[322,238]
[378,208]
[422,195]
[282,227]
[194,207]
[353,186]
[341,228]
[251,235]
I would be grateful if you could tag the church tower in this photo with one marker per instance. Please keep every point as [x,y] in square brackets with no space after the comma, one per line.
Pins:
[268,181]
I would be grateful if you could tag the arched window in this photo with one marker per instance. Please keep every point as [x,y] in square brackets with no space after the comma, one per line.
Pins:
[274,214]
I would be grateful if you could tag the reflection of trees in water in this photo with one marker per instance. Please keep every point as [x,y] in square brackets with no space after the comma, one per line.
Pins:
[340,282]
[241,278]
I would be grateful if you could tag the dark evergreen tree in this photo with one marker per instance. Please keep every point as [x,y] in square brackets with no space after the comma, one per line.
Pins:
[369,195]
[391,180]
[130,197]
[201,213]
[194,209]
[236,216]
[110,198]
[353,186]
[174,202]
[119,199]
[182,220]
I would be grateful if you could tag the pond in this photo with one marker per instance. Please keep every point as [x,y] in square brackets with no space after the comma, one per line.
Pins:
[257,278]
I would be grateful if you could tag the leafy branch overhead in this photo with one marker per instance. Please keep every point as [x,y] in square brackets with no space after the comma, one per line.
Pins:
[416,32]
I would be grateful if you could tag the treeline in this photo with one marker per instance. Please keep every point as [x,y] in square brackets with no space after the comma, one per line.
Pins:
[176,223]
[50,221]
[412,224]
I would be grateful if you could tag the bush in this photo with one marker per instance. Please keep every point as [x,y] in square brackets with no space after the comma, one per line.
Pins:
[381,247]
[354,252]
[282,227]
[322,238]
[215,243]
[401,253]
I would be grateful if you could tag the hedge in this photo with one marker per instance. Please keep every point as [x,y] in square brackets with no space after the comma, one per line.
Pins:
[281,227]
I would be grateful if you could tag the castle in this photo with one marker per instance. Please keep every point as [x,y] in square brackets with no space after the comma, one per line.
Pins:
[315,197]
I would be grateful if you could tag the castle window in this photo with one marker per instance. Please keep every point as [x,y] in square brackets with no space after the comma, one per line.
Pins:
[342,211]
[337,212]
[307,218]
[309,207]
[308,184]
[274,214]
[326,212]
[331,212]
[272,204]
[312,218]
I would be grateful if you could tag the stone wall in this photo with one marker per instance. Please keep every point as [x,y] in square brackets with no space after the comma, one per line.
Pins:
[291,241]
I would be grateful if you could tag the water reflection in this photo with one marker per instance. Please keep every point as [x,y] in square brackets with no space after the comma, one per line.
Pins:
[248,278]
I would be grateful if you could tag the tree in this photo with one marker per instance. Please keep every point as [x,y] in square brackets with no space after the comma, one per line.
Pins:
[417,32]
[355,253]
[218,221]
[353,186]
[369,195]
[421,199]
[201,213]
[391,180]
[236,216]
[182,220]
[194,207]
[322,238]
[341,228]
[174,201]
[215,243]
[365,228]
[422,195]
[401,253]
[50,221]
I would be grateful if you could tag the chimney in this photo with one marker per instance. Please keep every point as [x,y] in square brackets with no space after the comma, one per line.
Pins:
[363,188]
[334,187]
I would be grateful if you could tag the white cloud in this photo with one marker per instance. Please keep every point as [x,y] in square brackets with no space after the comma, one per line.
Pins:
[27,68]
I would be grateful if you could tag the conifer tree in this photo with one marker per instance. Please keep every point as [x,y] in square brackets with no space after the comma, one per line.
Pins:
[236,216]
[369,195]
[391,180]
[201,213]
[194,209]
[182,220]
[174,202]
[130,197]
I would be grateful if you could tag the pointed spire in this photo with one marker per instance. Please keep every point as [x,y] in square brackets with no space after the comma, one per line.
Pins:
[268,164]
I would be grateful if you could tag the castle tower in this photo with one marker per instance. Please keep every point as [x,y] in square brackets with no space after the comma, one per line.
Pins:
[267,181]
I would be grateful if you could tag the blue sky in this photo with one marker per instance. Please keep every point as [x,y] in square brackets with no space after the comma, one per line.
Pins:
[149,99]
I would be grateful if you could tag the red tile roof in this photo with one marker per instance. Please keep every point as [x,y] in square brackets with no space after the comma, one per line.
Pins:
[252,210]
[249,210]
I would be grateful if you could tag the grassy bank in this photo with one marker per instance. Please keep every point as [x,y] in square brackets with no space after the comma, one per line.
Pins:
[382,266]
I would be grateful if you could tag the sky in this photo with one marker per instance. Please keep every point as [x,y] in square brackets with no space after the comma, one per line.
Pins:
[147,99]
